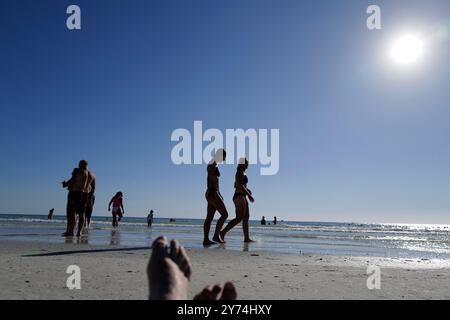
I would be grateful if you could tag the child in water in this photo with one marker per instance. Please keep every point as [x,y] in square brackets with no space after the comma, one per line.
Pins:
[117,211]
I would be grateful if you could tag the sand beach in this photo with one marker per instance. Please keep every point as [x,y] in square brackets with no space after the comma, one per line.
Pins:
[32,270]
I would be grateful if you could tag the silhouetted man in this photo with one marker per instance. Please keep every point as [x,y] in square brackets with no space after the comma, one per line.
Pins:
[80,185]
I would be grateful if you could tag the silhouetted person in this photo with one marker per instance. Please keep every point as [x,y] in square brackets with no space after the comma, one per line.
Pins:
[117,210]
[274,220]
[263,221]
[241,193]
[50,214]
[150,219]
[80,185]
[214,199]
[89,209]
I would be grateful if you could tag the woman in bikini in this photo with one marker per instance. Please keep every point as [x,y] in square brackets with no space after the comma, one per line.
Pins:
[214,199]
[241,194]
[117,211]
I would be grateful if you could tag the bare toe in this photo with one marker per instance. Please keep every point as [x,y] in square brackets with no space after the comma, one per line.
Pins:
[174,250]
[159,250]
[184,263]
[229,292]
[216,290]
[204,295]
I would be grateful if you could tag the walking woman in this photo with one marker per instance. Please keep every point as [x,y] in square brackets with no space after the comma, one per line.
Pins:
[241,193]
[214,199]
[117,211]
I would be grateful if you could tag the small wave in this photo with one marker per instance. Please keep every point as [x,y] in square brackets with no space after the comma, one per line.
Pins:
[32,220]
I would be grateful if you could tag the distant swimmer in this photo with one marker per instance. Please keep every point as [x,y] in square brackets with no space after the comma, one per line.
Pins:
[50,214]
[241,194]
[150,219]
[117,211]
[263,221]
[274,220]
[80,185]
[214,199]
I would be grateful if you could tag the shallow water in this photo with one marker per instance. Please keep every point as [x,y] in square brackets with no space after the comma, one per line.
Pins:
[330,238]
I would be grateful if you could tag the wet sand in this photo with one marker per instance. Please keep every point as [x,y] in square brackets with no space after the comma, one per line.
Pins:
[32,270]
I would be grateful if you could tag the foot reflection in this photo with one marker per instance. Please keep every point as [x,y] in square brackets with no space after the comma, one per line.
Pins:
[115,237]
[84,239]
[68,240]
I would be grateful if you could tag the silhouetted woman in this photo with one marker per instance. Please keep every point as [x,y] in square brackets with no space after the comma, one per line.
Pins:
[241,193]
[117,211]
[214,199]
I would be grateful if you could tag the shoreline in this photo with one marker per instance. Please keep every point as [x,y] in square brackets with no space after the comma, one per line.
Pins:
[419,242]
[38,271]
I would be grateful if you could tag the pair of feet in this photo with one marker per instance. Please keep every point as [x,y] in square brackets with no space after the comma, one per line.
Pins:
[218,238]
[221,239]
[84,231]
[169,273]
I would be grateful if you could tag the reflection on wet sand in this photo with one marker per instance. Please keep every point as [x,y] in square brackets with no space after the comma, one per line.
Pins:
[223,246]
[115,237]
[83,239]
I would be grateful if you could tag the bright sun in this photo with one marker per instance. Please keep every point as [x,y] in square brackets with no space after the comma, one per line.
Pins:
[407,49]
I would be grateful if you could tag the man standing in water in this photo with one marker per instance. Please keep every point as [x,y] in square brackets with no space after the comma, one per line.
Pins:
[80,185]
[150,219]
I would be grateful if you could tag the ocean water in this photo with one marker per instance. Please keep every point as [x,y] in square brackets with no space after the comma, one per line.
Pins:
[292,237]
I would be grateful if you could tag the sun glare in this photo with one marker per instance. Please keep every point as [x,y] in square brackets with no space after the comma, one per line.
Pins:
[407,49]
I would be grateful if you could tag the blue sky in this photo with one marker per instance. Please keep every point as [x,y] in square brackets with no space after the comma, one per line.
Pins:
[361,139]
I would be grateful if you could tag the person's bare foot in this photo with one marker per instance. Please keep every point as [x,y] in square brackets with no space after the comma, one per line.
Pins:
[218,238]
[208,242]
[168,272]
[212,293]
[248,240]
[222,235]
